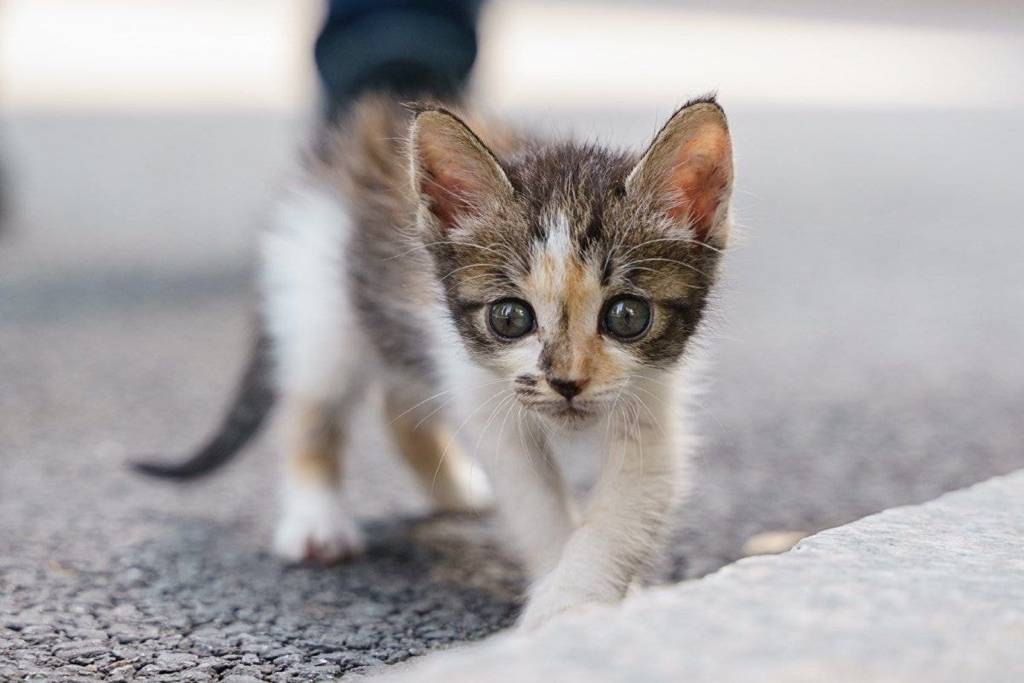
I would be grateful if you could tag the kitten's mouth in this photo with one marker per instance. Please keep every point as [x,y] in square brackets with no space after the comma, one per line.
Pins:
[575,411]
[562,410]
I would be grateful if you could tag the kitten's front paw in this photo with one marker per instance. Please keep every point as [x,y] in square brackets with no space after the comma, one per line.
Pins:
[317,528]
[553,595]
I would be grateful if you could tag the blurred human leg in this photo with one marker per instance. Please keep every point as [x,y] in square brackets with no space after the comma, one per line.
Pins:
[408,47]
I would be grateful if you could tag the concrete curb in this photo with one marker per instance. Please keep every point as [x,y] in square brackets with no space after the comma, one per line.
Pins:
[926,592]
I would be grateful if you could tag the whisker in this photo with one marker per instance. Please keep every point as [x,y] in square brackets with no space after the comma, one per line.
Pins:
[501,430]
[431,398]
[460,268]
[650,413]
[685,240]
[654,259]
[427,245]
[483,430]
[470,417]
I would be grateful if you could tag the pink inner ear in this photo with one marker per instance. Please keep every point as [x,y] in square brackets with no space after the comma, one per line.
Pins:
[447,190]
[701,178]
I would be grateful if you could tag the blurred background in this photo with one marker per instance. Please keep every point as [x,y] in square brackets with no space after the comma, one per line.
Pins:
[867,341]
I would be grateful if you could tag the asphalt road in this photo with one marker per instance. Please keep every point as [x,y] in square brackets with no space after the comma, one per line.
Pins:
[867,348]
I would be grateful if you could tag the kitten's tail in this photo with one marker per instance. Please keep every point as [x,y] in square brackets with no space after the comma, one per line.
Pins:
[253,400]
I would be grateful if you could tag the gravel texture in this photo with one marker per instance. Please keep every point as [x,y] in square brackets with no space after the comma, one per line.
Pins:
[867,347]
[921,593]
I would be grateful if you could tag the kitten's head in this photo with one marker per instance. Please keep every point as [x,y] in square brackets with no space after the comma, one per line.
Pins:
[570,270]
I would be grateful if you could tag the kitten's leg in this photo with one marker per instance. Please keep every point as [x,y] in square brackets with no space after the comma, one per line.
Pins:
[624,521]
[316,525]
[453,481]
[321,368]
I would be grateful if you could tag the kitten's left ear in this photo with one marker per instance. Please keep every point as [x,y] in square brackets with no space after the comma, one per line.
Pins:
[688,170]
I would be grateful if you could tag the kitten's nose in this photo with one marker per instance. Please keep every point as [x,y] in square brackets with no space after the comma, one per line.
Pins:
[567,387]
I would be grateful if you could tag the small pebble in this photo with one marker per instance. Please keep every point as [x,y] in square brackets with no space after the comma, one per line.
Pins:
[772,542]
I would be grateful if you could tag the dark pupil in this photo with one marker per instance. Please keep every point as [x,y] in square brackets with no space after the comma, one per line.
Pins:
[627,317]
[511,319]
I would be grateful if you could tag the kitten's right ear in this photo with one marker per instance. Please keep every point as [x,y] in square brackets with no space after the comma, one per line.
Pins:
[453,173]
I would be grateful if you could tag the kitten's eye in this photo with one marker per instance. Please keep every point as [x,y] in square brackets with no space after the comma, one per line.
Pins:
[510,318]
[627,317]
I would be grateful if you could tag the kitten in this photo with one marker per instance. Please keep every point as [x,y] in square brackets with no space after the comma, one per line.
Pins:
[524,295]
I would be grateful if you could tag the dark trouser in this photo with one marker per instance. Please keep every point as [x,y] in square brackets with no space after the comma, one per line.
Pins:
[409,47]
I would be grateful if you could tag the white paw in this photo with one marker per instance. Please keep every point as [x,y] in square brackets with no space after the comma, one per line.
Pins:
[554,595]
[469,490]
[317,528]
